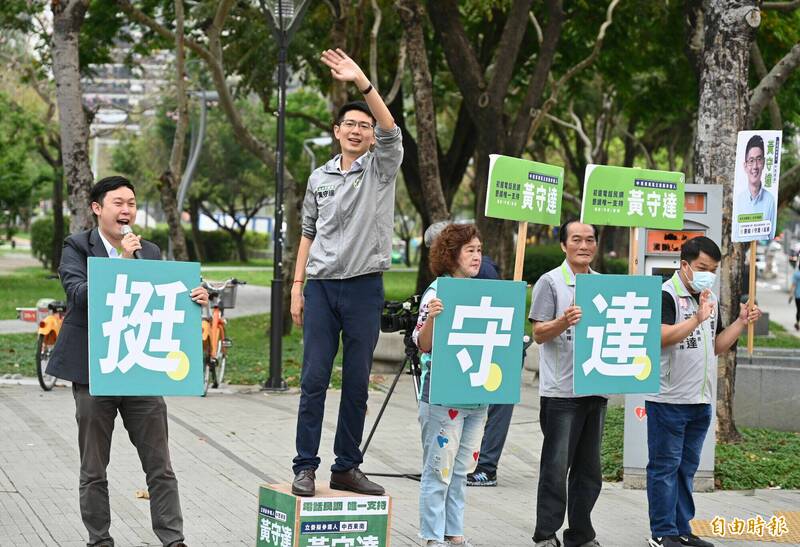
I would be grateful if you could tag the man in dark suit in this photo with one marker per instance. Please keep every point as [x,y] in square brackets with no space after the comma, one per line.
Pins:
[113,202]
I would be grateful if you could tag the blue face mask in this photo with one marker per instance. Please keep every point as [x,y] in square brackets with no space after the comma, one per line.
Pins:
[702,280]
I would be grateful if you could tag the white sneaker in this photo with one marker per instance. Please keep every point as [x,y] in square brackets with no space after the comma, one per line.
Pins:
[552,542]
[464,543]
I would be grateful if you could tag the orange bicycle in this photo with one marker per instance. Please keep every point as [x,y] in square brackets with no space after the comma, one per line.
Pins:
[49,314]
[221,296]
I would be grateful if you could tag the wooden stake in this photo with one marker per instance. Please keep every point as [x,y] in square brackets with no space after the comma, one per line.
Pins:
[751,296]
[633,251]
[522,236]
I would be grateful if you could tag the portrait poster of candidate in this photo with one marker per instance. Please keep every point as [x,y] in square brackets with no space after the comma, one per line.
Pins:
[755,188]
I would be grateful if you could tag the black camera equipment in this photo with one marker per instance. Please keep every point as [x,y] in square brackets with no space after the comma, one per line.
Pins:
[400,317]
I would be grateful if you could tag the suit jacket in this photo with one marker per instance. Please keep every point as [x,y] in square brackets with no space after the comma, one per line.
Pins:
[70,357]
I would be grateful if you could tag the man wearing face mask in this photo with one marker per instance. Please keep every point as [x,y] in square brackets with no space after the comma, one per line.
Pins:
[678,417]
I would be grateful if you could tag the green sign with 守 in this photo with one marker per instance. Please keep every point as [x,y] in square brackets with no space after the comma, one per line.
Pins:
[524,190]
[477,342]
[330,519]
[144,329]
[618,339]
[623,196]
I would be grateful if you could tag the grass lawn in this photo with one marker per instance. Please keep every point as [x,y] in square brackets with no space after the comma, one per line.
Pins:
[24,287]
[781,339]
[17,354]
[253,277]
[248,357]
[764,458]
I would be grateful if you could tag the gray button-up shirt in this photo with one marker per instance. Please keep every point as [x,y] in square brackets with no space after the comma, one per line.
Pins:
[552,295]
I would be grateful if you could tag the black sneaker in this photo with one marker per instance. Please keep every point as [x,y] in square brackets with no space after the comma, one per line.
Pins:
[695,541]
[482,478]
[665,541]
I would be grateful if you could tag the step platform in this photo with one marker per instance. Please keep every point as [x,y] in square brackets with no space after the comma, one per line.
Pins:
[332,518]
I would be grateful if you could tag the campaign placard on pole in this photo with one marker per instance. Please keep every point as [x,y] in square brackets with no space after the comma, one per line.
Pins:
[524,190]
[618,339]
[755,186]
[624,196]
[477,342]
[144,329]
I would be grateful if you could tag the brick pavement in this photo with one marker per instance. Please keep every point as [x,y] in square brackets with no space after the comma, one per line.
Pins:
[227,444]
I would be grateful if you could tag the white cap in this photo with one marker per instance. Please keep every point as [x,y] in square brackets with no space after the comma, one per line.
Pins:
[433,231]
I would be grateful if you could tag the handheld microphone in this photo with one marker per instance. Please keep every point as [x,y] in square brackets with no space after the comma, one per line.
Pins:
[125,231]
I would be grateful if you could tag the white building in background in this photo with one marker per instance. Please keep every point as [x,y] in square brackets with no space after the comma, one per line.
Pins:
[122,95]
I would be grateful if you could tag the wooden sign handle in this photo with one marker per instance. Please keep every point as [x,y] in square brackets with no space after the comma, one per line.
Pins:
[522,236]
[633,251]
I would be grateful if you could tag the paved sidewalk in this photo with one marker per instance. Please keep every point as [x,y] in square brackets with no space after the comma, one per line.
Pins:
[227,444]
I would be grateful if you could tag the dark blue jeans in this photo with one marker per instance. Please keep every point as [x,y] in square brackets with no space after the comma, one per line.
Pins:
[570,473]
[494,437]
[350,308]
[675,435]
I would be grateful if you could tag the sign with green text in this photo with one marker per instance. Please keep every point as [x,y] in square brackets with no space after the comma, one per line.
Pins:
[618,339]
[144,328]
[332,518]
[524,190]
[755,185]
[624,196]
[477,342]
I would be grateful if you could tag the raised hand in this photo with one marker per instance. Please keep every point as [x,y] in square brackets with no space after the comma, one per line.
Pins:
[706,308]
[343,68]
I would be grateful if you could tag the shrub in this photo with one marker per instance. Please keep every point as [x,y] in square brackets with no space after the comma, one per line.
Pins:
[256,242]
[540,259]
[42,233]
[218,245]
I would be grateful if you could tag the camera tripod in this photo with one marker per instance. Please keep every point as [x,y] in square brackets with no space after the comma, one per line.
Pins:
[412,360]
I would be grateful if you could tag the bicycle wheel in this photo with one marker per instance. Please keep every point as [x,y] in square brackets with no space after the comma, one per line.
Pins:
[222,360]
[207,369]
[43,350]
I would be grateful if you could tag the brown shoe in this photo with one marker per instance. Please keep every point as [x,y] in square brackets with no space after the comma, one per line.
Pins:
[355,480]
[303,484]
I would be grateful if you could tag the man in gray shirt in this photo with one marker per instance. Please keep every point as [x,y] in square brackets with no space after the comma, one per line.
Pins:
[348,219]
[570,471]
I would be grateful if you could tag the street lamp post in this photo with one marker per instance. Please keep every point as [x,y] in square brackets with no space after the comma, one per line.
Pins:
[283,17]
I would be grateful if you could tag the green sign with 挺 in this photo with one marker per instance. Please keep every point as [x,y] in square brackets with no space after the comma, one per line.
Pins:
[524,190]
[330,519]
[623,196]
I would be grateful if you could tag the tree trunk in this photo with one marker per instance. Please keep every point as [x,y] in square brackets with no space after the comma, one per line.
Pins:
[58,217]
[496,234]
[197,235]
[68,16]
[427,145]
[167,187]
[170,179]
[721,115]
[241,248]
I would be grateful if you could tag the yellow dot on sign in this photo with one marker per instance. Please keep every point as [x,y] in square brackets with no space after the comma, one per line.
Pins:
[495,378]
[643,360]
[183,365]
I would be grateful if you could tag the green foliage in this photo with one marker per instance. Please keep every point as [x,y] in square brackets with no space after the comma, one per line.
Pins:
[613,441]
[540,259]
[218,246]
[22,290]
[763,459]
[248,357]
[42,234]
[779,338]
[17,354]
[616,266]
